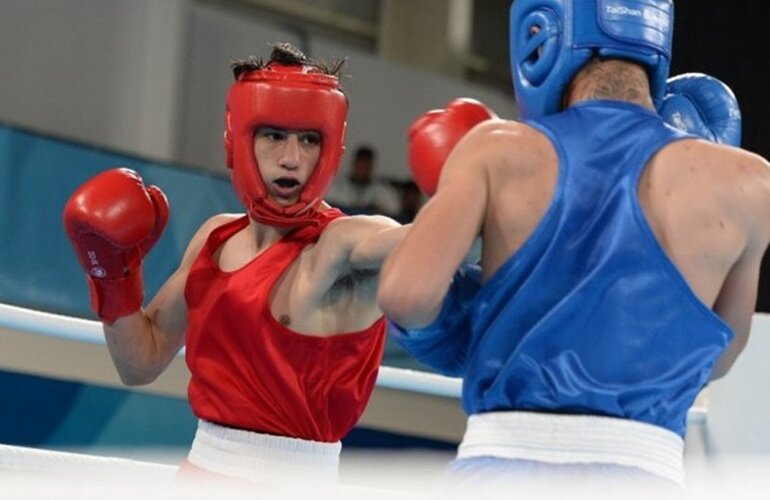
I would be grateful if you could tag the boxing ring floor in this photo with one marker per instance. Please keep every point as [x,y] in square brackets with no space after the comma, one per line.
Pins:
[728,436]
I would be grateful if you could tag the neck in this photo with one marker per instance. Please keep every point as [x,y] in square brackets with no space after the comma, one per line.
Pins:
[265,235]
[612,79]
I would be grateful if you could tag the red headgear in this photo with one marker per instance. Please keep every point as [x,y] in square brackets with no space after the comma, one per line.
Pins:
[293,97]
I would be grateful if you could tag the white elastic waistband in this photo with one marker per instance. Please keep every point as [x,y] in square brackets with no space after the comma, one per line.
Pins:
[556,438]
[262,457]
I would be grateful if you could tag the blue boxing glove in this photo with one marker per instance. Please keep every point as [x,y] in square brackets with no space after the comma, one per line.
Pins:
[443,345]
[704,106]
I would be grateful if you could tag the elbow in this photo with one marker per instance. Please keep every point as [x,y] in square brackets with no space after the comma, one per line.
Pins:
[721,368]
[136,381]
[408,307]
[134,378]
[393,307]
[725,362]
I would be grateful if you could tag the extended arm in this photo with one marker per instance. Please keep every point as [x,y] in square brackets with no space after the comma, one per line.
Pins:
[432,319]
[416,276]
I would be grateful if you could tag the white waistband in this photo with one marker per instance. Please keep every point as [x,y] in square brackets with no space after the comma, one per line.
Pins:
[557,438]
[262,457]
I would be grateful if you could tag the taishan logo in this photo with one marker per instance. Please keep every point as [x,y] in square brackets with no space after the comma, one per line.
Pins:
[651,15]
[622,10]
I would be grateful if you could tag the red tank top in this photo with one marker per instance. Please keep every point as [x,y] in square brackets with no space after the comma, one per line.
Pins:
[251,372]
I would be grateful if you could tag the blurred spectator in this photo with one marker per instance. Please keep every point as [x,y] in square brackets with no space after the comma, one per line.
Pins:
[360,192]
[411,201]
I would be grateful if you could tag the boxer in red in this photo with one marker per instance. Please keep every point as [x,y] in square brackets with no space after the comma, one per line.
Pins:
[276,307]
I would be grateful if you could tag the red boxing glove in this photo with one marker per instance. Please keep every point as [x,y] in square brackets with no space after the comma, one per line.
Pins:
[112,221]
[433,136]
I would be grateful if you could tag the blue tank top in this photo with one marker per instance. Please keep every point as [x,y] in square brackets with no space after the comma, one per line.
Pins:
[590,316]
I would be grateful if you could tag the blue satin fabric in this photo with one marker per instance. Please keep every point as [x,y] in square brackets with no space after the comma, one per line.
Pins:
[590,316]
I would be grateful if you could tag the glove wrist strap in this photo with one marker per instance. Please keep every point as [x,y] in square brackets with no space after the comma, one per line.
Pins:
[113,298]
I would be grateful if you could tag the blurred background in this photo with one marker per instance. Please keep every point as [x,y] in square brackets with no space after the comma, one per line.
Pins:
[90,84]
[148,77]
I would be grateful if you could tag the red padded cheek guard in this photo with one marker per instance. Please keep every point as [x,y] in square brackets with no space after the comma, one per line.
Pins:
[290,100]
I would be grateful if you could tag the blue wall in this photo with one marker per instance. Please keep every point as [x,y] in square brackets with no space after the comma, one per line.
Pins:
[39,411]
[38,268]
[57,414]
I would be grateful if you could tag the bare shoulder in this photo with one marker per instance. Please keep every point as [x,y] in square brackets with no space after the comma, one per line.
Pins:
[751,181]
[200,236]
[502,145]
[739,174]
[508,133]
[212,223]
[737,178]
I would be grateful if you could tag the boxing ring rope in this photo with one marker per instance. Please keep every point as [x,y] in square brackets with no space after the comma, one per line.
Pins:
[49,324]
[89,331]
[57,326]
[19,319]
[32,460]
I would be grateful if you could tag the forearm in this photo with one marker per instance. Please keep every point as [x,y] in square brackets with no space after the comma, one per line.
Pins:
[416,276]
[371,251]
[406,300]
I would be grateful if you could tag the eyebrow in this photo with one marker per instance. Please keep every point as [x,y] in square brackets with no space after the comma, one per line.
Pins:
[269,128]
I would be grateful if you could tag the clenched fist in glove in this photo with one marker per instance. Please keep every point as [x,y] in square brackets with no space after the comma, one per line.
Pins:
[112,221]
[434,134]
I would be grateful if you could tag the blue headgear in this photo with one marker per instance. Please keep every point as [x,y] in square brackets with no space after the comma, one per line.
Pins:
[571,32]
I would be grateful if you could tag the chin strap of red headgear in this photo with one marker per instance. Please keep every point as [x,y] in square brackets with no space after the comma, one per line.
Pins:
[292,97]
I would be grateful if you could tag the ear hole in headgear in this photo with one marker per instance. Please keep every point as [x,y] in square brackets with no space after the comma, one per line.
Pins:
[538,45]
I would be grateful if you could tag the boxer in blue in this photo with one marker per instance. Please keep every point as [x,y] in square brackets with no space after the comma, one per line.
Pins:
[620,256]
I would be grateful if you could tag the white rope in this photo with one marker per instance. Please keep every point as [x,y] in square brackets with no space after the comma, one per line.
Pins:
[83,330]
[33,460]
[51,325]
[65,327]
[422,382]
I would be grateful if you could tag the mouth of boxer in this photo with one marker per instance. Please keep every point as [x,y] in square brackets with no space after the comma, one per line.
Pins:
[286,186]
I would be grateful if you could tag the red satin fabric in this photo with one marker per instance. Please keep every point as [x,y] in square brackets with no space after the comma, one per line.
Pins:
[251,372]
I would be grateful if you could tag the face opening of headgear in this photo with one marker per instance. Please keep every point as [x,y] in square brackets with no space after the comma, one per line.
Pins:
[290,96]
[551,40]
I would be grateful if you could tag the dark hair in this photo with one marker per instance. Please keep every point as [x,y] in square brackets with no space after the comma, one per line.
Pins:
[409,187]
[614,78]
[364,153]
[286,53]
